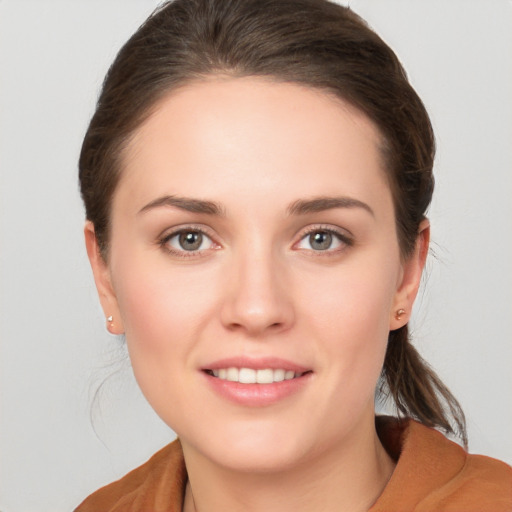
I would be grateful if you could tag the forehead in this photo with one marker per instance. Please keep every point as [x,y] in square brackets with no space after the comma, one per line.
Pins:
[248,135]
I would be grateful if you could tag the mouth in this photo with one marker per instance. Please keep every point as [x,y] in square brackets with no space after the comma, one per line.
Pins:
[256,382]
[252,376]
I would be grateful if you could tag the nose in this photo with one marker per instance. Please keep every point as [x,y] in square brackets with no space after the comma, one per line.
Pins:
[258,299]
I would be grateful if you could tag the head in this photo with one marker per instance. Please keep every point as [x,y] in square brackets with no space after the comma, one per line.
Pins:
[310,50]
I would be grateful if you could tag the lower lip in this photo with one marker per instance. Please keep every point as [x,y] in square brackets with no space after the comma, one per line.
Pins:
[257,395]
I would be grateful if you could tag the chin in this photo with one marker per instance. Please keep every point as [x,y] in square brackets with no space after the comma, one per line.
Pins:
[257,459]
[252,450]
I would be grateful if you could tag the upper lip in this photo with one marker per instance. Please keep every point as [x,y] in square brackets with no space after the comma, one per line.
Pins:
[256,363]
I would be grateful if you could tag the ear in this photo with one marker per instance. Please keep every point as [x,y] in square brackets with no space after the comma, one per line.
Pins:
[103,281]
[409,284]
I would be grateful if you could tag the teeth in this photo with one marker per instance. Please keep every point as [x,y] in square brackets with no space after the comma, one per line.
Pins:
[247,376]
[279,375]
[251,376]
[232,374]
[265,376]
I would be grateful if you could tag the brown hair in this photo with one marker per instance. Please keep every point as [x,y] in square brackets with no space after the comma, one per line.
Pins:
[311,42]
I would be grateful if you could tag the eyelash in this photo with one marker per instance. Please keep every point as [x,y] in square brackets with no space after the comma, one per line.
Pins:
[164,241]
[343,238]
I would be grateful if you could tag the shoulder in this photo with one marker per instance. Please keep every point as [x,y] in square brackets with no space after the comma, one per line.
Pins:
[156,485]
[481,484]
[483,475]
[436,474]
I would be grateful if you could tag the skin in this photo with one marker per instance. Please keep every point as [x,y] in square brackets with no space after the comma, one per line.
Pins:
[258,287]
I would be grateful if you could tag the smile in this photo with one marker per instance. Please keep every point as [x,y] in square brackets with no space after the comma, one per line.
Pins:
[252,376]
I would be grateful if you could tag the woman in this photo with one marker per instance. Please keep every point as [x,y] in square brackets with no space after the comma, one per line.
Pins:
[256,177]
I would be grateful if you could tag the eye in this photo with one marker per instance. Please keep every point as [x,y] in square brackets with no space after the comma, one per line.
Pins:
[323,240]
[188,241]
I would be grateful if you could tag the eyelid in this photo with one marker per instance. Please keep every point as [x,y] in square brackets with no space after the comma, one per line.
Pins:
[342,234]
[168,234]
[169,231]
[162,240]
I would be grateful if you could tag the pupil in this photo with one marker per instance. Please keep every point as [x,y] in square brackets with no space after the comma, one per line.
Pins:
[321,240]
[191,241]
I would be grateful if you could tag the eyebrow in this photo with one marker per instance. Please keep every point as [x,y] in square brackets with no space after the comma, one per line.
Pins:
[320,204]
[186,203]
[299,207]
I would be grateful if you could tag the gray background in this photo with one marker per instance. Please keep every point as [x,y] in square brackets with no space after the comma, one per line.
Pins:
[54,349]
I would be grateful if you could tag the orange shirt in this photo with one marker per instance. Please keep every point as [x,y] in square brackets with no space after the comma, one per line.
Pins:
[432,474]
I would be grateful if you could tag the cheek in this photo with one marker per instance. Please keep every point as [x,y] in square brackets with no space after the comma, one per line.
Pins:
[356,297]
[164,313]
[351,317]
[163,309]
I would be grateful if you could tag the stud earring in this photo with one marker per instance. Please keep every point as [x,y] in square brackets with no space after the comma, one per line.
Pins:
[110,319]
[399,313]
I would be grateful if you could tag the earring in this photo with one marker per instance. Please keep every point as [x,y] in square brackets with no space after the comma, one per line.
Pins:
[110,324]
[399,313]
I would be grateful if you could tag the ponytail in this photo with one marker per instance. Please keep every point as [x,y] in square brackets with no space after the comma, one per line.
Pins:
[417,390]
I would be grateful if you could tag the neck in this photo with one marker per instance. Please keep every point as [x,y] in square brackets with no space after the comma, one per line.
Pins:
[351,477]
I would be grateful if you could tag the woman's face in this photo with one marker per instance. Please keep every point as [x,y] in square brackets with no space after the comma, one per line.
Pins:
[253,240]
